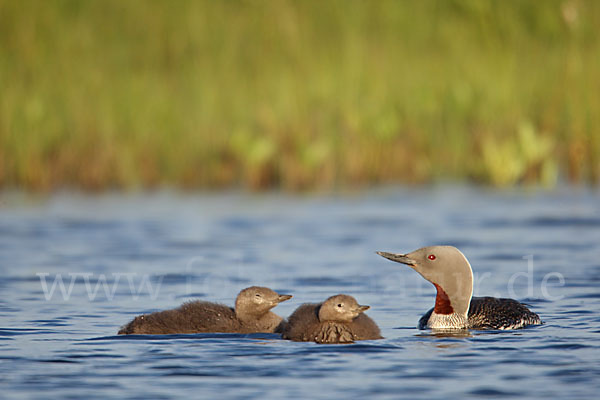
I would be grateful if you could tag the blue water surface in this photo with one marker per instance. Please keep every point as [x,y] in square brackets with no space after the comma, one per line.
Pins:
[74,268]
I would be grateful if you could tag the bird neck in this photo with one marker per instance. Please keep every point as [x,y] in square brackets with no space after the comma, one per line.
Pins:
[444,315]
[443,305]
[247,315]
[451,304]
[266,321]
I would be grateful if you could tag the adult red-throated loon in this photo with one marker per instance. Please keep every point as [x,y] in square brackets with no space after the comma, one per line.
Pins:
[450,272]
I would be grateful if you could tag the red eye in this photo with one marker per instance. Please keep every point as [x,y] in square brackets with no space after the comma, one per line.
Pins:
[431,257]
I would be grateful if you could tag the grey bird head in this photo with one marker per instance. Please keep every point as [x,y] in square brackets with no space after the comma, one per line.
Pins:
[444,266]
[340,308]
[256,301]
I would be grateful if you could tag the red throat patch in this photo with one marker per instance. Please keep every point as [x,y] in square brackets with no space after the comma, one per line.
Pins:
[442,302]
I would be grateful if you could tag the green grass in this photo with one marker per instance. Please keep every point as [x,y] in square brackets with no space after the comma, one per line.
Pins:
[297,94]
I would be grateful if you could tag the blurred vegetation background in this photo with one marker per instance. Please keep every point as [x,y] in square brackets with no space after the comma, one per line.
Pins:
[298,94]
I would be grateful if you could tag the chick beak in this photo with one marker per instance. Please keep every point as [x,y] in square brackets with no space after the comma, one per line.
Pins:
[362,308]
[283,297]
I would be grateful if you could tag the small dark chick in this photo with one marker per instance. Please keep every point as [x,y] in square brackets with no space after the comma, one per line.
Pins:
[339,319]
[251,315]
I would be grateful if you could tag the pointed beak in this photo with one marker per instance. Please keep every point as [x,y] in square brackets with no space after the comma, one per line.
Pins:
[362,308]
[283,297]
[400,258]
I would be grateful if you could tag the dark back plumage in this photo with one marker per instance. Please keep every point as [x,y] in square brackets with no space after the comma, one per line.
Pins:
[494,313]
[191,317]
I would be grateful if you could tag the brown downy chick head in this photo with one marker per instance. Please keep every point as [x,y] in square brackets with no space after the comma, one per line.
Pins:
[340,308]
[256,301]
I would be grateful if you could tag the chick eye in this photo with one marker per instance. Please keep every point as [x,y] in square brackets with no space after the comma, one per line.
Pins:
[339,305]
[257,295]
[431,257]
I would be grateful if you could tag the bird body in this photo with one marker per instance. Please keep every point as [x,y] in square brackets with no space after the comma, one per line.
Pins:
[339,319]
[490,313]
[250,315]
